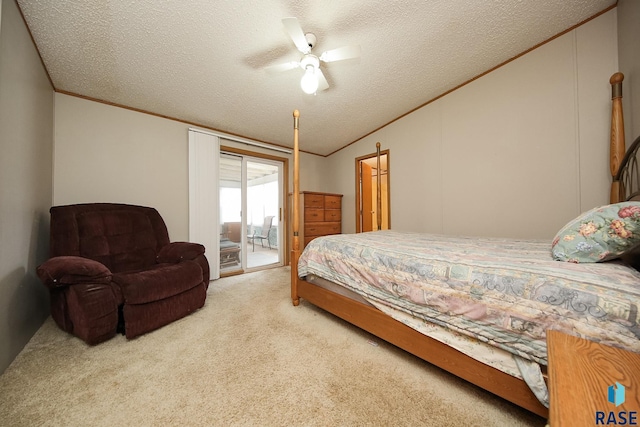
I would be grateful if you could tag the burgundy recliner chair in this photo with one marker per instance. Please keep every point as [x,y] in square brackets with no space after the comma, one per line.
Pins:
[112,269]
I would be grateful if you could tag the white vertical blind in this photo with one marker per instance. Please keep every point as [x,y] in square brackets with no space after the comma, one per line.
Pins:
[204,226]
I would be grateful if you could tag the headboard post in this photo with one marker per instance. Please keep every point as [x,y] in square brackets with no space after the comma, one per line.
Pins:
[617,147]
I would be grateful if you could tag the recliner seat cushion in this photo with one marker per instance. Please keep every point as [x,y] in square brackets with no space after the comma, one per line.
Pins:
[159,282]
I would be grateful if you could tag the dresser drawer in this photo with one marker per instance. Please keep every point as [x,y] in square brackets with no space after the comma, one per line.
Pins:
[314,215]
[322,228]
[333,215]
[314,201]
[332,202]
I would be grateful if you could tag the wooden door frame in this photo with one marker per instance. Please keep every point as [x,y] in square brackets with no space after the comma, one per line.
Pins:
[358,195]
[365,221]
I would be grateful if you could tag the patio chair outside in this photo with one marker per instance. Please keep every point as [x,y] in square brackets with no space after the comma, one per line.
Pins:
[264,233]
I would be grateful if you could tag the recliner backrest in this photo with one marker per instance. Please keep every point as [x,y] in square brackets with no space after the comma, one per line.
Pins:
[122,237]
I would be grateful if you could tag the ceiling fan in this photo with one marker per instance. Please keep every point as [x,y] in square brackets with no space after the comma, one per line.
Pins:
[313,79]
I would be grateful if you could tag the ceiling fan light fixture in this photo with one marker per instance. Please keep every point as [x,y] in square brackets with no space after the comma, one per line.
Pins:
[313,79]
[309,81]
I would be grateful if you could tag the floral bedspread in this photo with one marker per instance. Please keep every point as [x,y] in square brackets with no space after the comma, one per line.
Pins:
[504,292]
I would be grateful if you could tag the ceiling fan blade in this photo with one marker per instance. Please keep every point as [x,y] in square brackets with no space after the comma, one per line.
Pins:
[286,66]
[346,52]
[297,35]
[322,81]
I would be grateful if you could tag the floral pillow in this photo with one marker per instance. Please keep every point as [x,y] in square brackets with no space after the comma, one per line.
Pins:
[600,234]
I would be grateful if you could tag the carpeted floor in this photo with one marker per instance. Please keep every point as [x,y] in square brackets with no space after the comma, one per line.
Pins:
[247,358]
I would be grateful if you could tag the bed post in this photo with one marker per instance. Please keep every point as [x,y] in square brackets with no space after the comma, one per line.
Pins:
[617,147]
[295,245]
[379,187]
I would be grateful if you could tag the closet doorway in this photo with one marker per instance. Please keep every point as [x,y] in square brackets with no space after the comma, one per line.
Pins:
[372,182]
[251,223]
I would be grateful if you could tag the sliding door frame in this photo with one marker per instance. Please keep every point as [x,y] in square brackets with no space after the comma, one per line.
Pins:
[284,212]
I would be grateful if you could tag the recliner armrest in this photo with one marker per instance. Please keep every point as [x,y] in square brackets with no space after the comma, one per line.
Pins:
[69,270]
[179,251]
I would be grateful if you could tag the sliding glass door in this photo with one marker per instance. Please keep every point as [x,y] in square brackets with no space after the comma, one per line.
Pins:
[250,213]
[263,213]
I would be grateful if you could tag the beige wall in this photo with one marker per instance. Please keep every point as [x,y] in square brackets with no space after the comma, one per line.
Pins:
[517,152]
[110,154]
[26,138]
[629,52]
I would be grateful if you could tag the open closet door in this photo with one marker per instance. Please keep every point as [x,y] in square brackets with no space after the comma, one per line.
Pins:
[204,226]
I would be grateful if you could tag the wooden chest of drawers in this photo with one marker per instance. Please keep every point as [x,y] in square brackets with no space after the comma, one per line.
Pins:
[321,215]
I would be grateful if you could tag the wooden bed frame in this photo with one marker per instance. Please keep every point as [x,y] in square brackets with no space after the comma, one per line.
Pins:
[379,324]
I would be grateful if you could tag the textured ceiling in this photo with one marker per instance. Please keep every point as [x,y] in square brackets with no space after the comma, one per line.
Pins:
[202,61]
